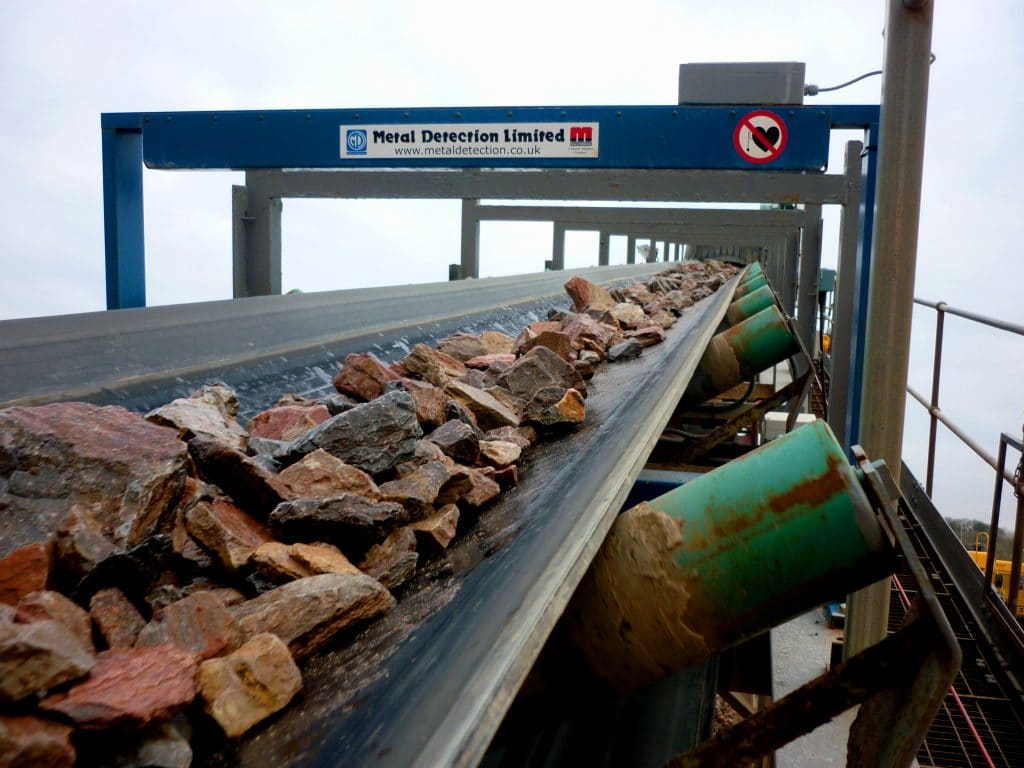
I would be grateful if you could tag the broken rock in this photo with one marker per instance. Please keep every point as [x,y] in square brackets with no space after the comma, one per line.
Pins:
[436,531]
[81,543]
[554,406]
[469,488]
[626,350]
[125,470]
[249,685]
[374,436]
[226,531]
[363,377]
[307,613]
[629,315]
[210,410]
[53,606]
[352,521]
[393,561]
[433,366]
[462,346]
[497,343]
[647,336]
[488,410]
[417,490]
[38,656]
[279,562]
[286,422]
[27,741]
[586,295]
[132,688]
[499,453]
[429,400]
[25,570]
[457,440]
[539,368]
[320,475]
[250,485]
[557,342]
[116,619]
[483,362]
[199,623]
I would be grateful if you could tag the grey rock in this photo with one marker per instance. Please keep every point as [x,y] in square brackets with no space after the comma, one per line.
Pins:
[625,350]
[374,436]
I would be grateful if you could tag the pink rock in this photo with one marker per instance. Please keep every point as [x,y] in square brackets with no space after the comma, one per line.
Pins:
[130,688]
[25,570]
[363,377]
[483,362]
[585,294]
[287,422]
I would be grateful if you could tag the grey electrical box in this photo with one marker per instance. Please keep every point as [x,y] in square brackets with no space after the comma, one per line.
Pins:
[770,82]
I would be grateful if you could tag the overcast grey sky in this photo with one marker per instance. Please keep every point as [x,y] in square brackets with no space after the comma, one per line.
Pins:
[62,63]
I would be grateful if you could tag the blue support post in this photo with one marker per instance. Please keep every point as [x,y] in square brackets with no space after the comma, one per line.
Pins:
[863,278]
[122,212]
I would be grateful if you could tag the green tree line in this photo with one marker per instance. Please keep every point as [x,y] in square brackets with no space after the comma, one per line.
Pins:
[967,530]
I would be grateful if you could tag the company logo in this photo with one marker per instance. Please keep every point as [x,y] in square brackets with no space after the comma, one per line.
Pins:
[581,136]
[355,141]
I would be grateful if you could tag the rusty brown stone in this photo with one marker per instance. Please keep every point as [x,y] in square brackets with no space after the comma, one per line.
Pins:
[469,488]
[393,561]
[629,315]
[116,618]
[582,328]
[27,742]
[488,411]
[585,295]
[210,410]
[539,368]
[523,436]
[25,570]
[226,532]
[287,422]
[363,377]
[80,543]
[279,562]
[37,656]
[249,685]
[417,490]
[554,406]
[40,606]
[647,336]
[251,486]
[199,623]
[462,346]
[483,362]
[556,341]
[457,440]
[429,401]
[307,613]
[662,319]
[499,453]
[132,687]
[126,471]
[350,521]
[320,475]
[433,366]
[436,531]
[497,343]
[506,477]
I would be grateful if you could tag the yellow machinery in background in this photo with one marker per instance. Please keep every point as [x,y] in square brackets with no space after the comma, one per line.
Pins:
[1000,573]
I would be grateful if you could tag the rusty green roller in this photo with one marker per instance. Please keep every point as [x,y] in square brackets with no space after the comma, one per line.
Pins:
[750,305]
[740,353]
[749,285]
[725,557]
[753,268]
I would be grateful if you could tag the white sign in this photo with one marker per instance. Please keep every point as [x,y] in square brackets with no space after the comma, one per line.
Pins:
[400,141]
[760,136]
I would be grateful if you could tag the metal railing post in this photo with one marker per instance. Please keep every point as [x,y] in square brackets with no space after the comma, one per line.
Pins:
[997,501]
[940,310]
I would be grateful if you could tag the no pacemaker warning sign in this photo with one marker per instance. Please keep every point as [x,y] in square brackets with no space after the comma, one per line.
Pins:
[760,136]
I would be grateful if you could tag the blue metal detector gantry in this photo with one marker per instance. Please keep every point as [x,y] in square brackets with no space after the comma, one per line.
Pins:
[640,138]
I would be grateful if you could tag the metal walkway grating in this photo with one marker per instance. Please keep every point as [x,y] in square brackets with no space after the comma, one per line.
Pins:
[950,742]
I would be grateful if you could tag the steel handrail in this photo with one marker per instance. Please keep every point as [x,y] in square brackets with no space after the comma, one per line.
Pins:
[1016,480]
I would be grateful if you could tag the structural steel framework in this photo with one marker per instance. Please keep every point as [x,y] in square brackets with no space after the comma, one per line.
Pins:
[664,154]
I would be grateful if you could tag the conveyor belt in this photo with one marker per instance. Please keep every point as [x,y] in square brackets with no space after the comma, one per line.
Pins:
[428,683]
